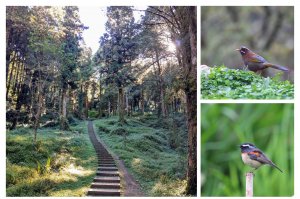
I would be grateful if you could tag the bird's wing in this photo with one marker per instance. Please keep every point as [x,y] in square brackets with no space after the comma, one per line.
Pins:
[256,59]
[258,155]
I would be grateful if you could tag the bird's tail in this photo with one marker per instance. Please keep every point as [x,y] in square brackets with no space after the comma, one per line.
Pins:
[278,67]
[273,165]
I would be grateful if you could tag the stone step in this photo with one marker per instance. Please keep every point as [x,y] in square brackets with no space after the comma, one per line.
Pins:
[105,158]
[107,165]
[112,179]
[106,185]
[102,150]
[106,154]
[107,168]
[104,192]
[106,162]
[107,173]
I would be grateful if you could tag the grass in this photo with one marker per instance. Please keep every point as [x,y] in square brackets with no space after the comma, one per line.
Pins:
[224,83]
[224,126]
[153,150]
[60,164]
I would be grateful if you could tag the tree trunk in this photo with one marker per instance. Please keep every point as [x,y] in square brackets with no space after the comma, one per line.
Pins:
[161,86]
[142,102]
[121,106]
[108,110]
[191,99]
[39,107]
[99,103]
[80,101]
[127,104]
[86,102]
[63,117]
[9,76]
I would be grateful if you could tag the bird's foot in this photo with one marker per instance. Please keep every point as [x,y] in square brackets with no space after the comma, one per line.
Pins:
[245,67]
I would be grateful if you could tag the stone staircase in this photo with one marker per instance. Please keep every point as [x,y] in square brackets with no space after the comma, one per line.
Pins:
[107,179]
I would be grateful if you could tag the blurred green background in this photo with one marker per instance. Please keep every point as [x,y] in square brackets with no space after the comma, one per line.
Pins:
[224,126]
[267,30]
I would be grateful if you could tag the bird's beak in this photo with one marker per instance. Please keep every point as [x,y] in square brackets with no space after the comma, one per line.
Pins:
[238,49]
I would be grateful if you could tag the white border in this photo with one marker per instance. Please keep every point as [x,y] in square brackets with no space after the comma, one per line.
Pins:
[198,3]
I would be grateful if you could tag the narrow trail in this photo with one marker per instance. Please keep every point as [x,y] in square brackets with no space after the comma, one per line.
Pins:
[107,179]
[111,173]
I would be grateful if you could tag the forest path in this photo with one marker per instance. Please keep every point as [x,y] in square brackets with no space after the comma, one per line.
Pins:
[111,173]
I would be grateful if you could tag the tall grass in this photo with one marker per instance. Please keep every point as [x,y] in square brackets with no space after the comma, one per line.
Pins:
[224,126]
[60,164]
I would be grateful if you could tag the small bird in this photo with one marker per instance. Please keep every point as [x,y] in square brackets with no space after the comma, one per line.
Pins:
[255,63]
[254,157]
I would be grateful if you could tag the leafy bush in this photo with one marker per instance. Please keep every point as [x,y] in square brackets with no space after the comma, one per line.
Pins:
[93,114]
[119,131]
[21,131]
[103,128]
[72,120]
[224,83]
[35,188]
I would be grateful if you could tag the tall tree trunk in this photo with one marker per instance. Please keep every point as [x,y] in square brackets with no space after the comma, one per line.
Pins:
[191,99]
[127,105]
[9,76]
[108,110]
[15,81]
[86,105]
[142,102]
[80,101]
[99,103]
[63,117]
[161,86]
[121,106]
[39,106]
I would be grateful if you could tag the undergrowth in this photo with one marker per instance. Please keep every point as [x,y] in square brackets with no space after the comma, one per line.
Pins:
[61,163]
[154,150]
[224,83]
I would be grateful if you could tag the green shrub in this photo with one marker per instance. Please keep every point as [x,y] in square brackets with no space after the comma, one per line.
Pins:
[35,188]
[224,83]
[103,129]
[15,174]
[72,120]
[119,131]
[93,114]
[21,131]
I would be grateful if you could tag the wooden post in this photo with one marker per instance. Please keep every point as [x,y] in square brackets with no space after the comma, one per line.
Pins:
[249,184]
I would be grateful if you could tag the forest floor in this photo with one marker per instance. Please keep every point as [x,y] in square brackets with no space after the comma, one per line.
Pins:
[63,163]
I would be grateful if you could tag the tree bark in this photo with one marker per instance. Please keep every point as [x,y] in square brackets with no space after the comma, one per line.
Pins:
[63,117]
[191,97]
[9,76]
[142,102]
[127,104]
[108,108]
[99,108]
[161,86]
[38,112]
[121,106]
